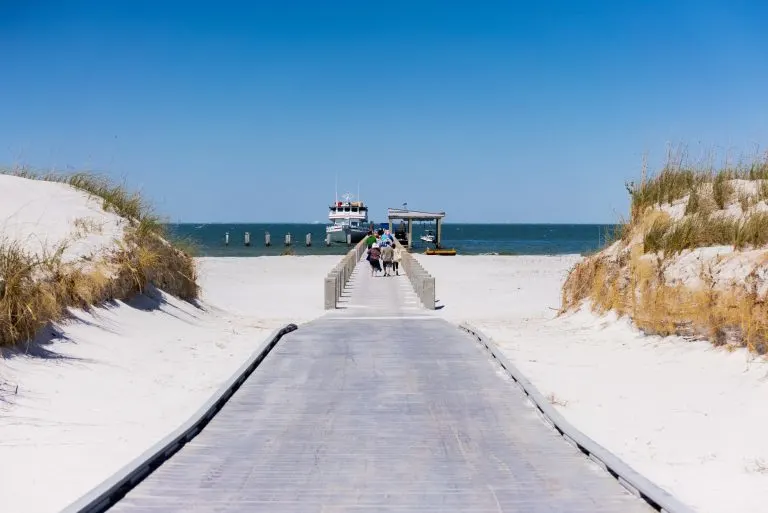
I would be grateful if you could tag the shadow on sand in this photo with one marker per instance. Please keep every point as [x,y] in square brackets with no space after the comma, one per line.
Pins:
[41,346]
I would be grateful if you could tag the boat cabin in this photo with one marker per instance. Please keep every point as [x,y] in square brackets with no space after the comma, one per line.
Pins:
[344,209]
[349,213]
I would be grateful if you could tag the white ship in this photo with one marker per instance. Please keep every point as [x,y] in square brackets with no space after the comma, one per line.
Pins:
[348,218]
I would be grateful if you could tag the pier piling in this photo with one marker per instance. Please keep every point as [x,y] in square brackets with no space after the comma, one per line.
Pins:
[327,239]
[226,238]
[247,240]
[267,239]
[287,239]
[309,239]
[349,239]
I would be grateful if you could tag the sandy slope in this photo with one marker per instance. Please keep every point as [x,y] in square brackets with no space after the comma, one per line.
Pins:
[690,417]
[43,215]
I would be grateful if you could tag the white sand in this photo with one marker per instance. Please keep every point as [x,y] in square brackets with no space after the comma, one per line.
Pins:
[690,417]
[128,376]
[42,216]
[275,289]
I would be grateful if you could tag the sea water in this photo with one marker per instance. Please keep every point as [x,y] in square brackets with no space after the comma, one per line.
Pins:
[467,239]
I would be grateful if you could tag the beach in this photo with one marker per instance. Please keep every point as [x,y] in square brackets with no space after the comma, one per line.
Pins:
[119,378]
[586,186]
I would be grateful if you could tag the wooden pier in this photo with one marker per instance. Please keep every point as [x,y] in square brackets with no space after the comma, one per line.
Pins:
[379,405]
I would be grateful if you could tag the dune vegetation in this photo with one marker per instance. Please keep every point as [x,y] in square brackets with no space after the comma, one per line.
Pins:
[38,288]
[691,258]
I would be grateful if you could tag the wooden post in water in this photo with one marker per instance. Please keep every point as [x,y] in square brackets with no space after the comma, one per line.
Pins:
[226,238]
[309,239]
[287,239]
[349,239]
[267,239]
[247,238]
[327,239]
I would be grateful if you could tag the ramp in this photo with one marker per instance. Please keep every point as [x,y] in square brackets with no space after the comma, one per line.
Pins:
[379,406]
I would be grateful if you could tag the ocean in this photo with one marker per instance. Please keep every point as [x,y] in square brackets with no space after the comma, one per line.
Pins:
[467,239]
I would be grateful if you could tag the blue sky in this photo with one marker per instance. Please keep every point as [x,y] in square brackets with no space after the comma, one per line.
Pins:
[491,111]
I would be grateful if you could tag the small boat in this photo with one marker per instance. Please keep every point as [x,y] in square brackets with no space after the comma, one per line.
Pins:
[428,237]
[443,252]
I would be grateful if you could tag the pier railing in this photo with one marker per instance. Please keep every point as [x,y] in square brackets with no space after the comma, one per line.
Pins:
[423,283]
[337,279]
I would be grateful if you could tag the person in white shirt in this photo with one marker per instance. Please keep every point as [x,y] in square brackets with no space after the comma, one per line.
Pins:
[398,257]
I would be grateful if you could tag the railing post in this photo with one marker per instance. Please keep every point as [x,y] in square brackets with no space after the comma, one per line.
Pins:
[429,292]
[337,279]
[423,284]
[330,291]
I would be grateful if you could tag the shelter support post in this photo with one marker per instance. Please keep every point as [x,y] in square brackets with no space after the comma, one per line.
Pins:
[410,233]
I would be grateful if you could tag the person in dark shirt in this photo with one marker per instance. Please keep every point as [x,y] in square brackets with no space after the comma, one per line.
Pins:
[374,254]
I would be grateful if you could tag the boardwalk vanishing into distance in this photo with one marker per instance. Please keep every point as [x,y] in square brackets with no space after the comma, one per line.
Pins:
[379,406]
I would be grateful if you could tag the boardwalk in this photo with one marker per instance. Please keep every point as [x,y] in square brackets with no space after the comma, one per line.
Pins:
[379,406]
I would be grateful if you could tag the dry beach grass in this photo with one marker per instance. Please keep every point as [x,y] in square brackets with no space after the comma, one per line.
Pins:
[691,260]
[38,287]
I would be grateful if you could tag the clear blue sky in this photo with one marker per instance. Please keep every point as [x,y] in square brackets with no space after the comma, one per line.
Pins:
[491,111]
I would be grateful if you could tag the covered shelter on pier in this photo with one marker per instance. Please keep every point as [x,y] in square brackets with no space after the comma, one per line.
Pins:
[409,216]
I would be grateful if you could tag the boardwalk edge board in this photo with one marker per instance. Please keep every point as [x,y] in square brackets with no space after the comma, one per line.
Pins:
[114,488]
[655,496]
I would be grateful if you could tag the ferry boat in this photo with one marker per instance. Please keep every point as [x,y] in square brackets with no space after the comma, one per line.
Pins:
[348,217]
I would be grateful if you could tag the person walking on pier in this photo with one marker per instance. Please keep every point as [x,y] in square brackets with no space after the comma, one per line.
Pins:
[370,240]
[387,255]
[374,254]
[396,259]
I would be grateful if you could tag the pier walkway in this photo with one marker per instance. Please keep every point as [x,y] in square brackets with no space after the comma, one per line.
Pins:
[379,406]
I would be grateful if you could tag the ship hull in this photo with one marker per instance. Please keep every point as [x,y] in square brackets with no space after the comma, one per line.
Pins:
[339,235]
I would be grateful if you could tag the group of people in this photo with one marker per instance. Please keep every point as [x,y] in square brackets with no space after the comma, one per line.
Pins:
[383,254]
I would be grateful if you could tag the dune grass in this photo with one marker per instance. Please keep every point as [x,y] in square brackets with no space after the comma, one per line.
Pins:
[735,316]
[36,290]
[694,231]
[631,279]
[679,178]
[708,192]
